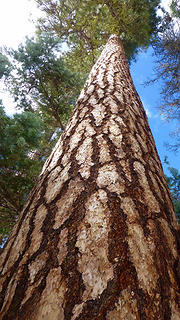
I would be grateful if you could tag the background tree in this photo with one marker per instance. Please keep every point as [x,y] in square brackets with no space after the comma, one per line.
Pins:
[173,182]
[98,237]
[24,146]
[45,90]
[41,81]
[5,65]
[175,8]
[167,50]
[166,45]
[86,26]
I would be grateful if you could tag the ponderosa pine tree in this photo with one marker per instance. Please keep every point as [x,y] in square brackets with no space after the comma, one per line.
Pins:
[86,25]
[98,237]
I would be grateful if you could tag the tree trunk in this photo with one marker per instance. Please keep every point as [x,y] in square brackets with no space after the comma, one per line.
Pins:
[97,238]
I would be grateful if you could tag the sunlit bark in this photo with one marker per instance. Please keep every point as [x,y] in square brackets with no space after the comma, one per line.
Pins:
[97,238]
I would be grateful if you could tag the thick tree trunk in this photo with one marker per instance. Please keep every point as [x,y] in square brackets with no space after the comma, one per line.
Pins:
[97,238]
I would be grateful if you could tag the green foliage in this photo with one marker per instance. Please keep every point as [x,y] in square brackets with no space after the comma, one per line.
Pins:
[86,25]
[25,143]
[175,8]
[167,52]
[5,65]
[41,81]
[173,182]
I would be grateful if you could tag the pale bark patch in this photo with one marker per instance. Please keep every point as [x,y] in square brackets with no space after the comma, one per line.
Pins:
[18,246]
[51,303]
[29,291]
[155,184]
[120,153]
[152,236]
[169,237]
[174,306]
[128,207]
[142,143]
[115,134]
[118,95]
[40,261]
[37,234]
[64,204]
[114,128]
[104,154]
[149,198]
[92,101]
[136,148]
[100,79]
[99,112]
[90,89]
[119,120]
[83,112]
[56,181]
[62,245]
[77,310]
[125,308]
[9,293]
[83,157]
[142,258]
[110,78]
[76,137]
[126,168]
[141,249]
[109,101]
[89,131]
[37,265]
[83,127]
[109,177]
[100,93]
[133,111]
[82,94]
[72,123]
[92,242]
[51,162]
[34,267]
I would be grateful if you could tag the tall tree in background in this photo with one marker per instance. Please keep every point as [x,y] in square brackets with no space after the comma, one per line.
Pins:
[86,26]
[97,238]
[45,91]
[5,66]
[166,46]
[24,147]
[41,81]
[173,182]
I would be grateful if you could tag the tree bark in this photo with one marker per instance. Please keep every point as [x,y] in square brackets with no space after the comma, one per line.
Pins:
[98,237]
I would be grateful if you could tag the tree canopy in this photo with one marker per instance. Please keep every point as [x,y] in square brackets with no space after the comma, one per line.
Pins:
[21,138]
[167,51]
[173,181]
[5,66]
[86,25]
[166,45]
[41,81]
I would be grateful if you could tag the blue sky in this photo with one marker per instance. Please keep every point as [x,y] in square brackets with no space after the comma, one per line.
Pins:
[143,70]
[17,23]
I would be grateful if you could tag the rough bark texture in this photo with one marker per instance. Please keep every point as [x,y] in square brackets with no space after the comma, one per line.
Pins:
[97,238]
